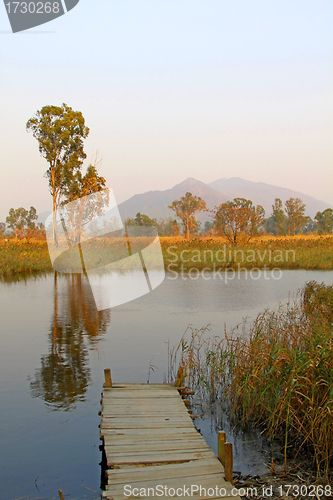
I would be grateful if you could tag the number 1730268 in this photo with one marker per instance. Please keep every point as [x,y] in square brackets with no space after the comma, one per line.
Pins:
[306,490]
[33,7]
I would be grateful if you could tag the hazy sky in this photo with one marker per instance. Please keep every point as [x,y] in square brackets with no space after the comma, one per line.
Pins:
[172,89]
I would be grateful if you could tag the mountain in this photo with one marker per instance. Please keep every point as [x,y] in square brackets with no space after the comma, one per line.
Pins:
[155,203]
[264,194]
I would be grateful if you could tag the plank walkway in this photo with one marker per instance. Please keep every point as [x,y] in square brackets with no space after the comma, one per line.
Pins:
[150,441]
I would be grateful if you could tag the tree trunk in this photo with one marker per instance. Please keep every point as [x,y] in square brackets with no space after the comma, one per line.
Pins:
[54,228]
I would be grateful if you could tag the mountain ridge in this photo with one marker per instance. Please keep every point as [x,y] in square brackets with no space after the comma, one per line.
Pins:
[155,203]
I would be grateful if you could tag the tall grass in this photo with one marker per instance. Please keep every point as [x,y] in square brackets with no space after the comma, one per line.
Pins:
[279,377]
[298,252]
[22,256]
[283,252]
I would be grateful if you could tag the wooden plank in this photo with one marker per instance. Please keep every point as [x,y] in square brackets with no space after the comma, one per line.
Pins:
[169,471]
[173,419]
[138,387]
[118,423]
[148,432]
[157,457]
[122,440]
[152,447]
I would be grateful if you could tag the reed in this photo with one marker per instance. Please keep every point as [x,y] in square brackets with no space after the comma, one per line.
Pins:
[278,377]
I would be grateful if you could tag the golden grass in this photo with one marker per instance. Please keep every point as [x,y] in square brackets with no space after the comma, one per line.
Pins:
[296,252]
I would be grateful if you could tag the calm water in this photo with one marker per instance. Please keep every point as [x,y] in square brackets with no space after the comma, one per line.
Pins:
[55,345]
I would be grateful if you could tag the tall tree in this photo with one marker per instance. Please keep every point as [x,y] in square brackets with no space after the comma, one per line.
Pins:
[325,221]
[295,210]
[278,217]
[238,219]
[186,208]
[60,132]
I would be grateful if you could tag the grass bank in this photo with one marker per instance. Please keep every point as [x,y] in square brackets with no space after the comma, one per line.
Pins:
[278,377]
[211,254]
[21,256]
[290,252]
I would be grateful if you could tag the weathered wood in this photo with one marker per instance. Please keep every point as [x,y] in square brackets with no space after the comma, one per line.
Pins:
[204,481]
[161,457]
[108,380]
[229,462]
[149,439]
[221,440]
[189,469]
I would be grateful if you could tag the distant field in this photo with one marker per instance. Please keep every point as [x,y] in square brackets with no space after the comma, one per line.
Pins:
[289,252]
[294,252]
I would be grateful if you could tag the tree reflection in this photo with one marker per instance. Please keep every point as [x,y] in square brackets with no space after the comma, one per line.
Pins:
[64,375]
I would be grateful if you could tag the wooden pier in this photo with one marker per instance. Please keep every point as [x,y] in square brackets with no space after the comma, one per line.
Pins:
[150,442]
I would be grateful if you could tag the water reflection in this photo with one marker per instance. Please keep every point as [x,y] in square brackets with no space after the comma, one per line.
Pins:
[76,326]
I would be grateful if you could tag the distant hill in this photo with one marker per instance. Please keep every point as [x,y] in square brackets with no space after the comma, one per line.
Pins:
[264,194]
[155,203]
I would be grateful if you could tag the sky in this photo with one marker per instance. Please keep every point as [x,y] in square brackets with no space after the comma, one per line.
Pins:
[172,89]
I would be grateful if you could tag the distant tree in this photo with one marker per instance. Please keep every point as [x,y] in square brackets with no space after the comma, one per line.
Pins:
[60,132]
[2,228]
[310,226]
[238,219]
[21,220]
[208,229]
[167,227]
[295,210]
[141,220]
[278,217]
[325,221]
[186,208]
[175,228]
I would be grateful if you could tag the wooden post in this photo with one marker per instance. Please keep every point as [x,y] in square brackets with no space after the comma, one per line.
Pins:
[108,380]
[229,462]
[221,439]
[61,496]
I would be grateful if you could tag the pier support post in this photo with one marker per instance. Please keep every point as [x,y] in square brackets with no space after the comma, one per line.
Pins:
[221,440]
[229,462]
[108,380]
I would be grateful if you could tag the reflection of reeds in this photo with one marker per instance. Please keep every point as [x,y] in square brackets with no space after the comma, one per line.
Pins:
[279,377]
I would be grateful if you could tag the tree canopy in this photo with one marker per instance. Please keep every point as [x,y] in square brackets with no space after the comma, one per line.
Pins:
[60,133]
[325,221]
[21,220]
[141,220]
[186,208]
[295,210]
[238,219]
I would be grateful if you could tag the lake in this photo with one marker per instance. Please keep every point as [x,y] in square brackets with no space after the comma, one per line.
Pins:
[55,346]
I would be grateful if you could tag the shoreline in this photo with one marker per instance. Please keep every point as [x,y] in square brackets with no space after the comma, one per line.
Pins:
[203,254]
